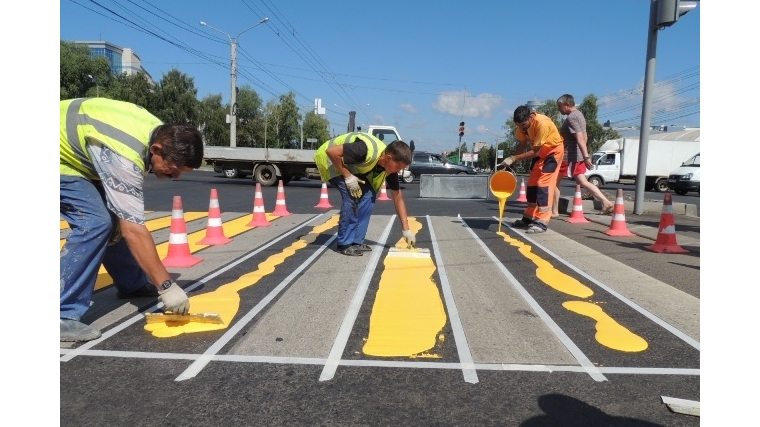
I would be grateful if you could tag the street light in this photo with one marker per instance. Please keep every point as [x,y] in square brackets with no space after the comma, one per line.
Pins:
[97,87]
[233,77]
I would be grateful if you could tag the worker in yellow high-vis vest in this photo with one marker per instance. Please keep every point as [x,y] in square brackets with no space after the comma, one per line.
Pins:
[358,164]
[107,148]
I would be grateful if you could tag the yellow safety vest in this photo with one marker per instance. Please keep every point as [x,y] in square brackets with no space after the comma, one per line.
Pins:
[375,147]
[122,126]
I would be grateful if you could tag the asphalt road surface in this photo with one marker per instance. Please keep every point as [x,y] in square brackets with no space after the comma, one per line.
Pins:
[492,327]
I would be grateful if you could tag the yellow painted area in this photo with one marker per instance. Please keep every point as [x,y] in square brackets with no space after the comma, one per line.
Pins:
[407,316]
[225,300]
[548,274]
[608,332]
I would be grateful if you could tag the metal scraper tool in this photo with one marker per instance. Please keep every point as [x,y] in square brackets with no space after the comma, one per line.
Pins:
[190,317]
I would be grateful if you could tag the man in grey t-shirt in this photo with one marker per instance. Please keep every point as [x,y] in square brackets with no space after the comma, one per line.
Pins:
[577,158]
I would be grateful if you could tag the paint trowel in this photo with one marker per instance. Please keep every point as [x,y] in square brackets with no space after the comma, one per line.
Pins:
[169,316]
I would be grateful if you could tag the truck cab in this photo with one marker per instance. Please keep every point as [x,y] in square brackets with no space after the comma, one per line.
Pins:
[686,177]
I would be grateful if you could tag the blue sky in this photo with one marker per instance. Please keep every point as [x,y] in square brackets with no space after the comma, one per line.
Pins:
[421,66]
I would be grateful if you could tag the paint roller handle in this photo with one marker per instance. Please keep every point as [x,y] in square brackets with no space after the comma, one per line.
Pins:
[174,299]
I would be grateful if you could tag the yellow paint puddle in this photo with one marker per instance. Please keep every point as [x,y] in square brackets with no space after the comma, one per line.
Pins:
[608,332]
[548,274]
[225,300]
[408,315]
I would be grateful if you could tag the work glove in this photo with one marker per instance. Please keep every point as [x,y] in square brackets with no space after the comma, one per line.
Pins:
[352,183]
[175,299]
[508,161]
[409,237]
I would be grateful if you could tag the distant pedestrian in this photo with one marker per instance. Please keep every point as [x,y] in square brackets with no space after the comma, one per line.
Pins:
[358,164]
[540,136]
[107,147]
[577,158]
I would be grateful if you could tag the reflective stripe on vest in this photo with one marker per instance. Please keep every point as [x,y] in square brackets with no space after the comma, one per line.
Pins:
[327,169]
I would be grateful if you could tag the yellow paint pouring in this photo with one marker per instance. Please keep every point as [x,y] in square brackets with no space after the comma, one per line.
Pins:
[225,300]
[548,274]
[608,332]
[407,316]
[502,185]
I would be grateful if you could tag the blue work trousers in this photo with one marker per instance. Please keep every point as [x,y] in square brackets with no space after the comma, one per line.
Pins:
[83,206]
[354,214]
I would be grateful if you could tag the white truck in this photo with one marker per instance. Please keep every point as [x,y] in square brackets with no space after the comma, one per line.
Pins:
[617,160]
[267,165]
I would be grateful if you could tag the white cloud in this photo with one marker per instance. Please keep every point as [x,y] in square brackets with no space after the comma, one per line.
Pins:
[464,104]
[409,108]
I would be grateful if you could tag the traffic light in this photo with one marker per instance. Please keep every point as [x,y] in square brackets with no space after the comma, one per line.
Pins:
[461,129]
[668,11]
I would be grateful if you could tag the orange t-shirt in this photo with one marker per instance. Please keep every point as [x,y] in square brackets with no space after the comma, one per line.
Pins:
[542,131]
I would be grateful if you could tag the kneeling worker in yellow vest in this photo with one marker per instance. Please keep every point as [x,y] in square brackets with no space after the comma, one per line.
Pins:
[357,164]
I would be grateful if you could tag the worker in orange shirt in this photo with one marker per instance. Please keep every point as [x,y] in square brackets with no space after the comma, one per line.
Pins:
[539,135]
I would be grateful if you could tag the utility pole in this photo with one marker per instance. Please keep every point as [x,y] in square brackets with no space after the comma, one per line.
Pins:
[233,78]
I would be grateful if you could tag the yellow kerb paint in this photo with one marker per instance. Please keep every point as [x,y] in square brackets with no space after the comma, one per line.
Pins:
[608,332]
[407,316]
[225,300]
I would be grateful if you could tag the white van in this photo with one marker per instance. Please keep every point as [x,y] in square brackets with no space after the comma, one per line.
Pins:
[686,177]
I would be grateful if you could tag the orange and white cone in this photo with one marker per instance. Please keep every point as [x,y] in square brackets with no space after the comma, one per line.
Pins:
[383,194]
[178,254]
[522,196]
[666,236]
[576,216]
[214,231]
[324,201]
[617,226]
[259,216]
[280,209]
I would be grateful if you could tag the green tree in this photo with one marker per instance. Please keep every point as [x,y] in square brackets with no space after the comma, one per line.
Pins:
[315,127]
[287,127]
[175,100]
[211,121]
[250,129]
[82,75]
[136,88]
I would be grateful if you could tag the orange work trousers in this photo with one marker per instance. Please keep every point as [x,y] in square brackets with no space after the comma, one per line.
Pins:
[542,182]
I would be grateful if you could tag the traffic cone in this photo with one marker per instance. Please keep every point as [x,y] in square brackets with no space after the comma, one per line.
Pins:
[279,208]
[178,254]
[324,201]
[666,237]
[522,197]
[576,216]
[259,216]
[383,194]
[214,231]
[617,226]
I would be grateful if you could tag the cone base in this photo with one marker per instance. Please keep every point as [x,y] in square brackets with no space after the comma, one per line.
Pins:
[670,249]
[324,205]
[521,199]
[181,261]
[619,233]
[281,212]
[214,240]
[259,223]
[581,220]
[383,197]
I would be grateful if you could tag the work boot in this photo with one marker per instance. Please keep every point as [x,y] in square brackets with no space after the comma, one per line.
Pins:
[146,290]
[362,247]
[350,251]
[73,331]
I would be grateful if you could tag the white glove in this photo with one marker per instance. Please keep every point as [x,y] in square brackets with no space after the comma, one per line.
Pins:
[175,299]
[508,161]
[409,237]
[352,183]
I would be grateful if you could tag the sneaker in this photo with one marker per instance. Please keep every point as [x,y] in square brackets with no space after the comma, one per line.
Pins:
[73,331]
[520,224]
[362,247]
[534,229]
[350,251]
[144,291]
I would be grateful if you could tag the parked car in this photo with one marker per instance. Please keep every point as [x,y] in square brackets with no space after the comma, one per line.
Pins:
[405,175]
[686,177]
[431,163]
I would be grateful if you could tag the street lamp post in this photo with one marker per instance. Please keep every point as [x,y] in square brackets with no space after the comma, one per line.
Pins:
[97,87]
[233,77]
